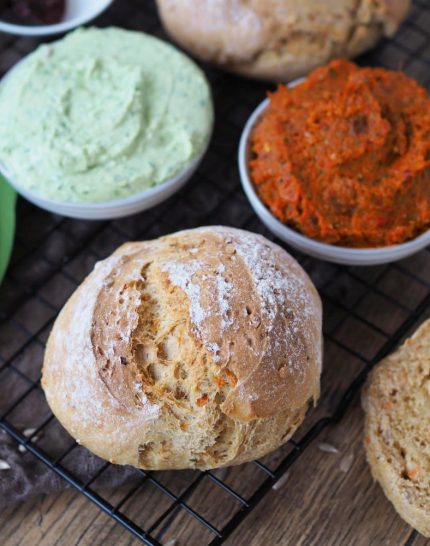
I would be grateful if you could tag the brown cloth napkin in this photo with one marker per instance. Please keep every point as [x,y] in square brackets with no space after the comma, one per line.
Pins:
[28,476]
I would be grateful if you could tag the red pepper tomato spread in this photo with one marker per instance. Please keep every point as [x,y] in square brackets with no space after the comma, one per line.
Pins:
[344,157]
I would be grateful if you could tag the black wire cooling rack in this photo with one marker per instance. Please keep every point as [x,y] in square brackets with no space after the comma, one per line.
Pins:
[53,254]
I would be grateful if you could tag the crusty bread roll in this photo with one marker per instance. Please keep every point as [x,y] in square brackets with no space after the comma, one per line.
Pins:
[279,39]
[396,400]
[197,350]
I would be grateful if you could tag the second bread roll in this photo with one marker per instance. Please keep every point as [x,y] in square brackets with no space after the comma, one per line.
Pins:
[197,350]
[279,39]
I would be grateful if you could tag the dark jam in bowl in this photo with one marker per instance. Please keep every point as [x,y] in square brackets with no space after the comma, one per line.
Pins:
[32,12]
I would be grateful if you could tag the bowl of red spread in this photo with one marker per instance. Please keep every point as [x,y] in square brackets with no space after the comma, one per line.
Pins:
[338,164]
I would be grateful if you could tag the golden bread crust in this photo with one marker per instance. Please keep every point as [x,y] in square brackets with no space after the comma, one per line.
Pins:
[198,349]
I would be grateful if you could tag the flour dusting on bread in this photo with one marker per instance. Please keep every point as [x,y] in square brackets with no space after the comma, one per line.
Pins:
[182,274]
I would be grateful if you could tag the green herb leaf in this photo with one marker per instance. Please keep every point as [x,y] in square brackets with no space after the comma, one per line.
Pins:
[7,223]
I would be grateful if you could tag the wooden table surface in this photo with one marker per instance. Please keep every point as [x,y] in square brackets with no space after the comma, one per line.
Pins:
[328,498]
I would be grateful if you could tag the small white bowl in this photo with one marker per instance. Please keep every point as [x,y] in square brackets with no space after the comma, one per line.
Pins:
[323,251]
[116,208]
[78,12]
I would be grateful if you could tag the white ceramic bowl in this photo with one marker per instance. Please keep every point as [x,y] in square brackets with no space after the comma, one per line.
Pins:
[324,251]
[78,12]
[107,210]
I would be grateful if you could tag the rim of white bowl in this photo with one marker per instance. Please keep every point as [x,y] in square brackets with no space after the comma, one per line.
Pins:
[332,253]
[57,28]
[115,208]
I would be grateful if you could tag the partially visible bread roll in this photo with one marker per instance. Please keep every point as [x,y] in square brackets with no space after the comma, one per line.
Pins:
[396,400]
[279,39]
[197,350]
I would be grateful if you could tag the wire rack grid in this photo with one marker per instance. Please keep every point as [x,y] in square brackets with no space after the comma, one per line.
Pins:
[53,254]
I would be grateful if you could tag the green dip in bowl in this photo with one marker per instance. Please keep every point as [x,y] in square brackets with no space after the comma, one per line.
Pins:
[102,115]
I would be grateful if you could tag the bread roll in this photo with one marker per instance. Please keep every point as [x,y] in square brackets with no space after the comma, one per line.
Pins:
[197,350]
[279,39]
[396,400]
